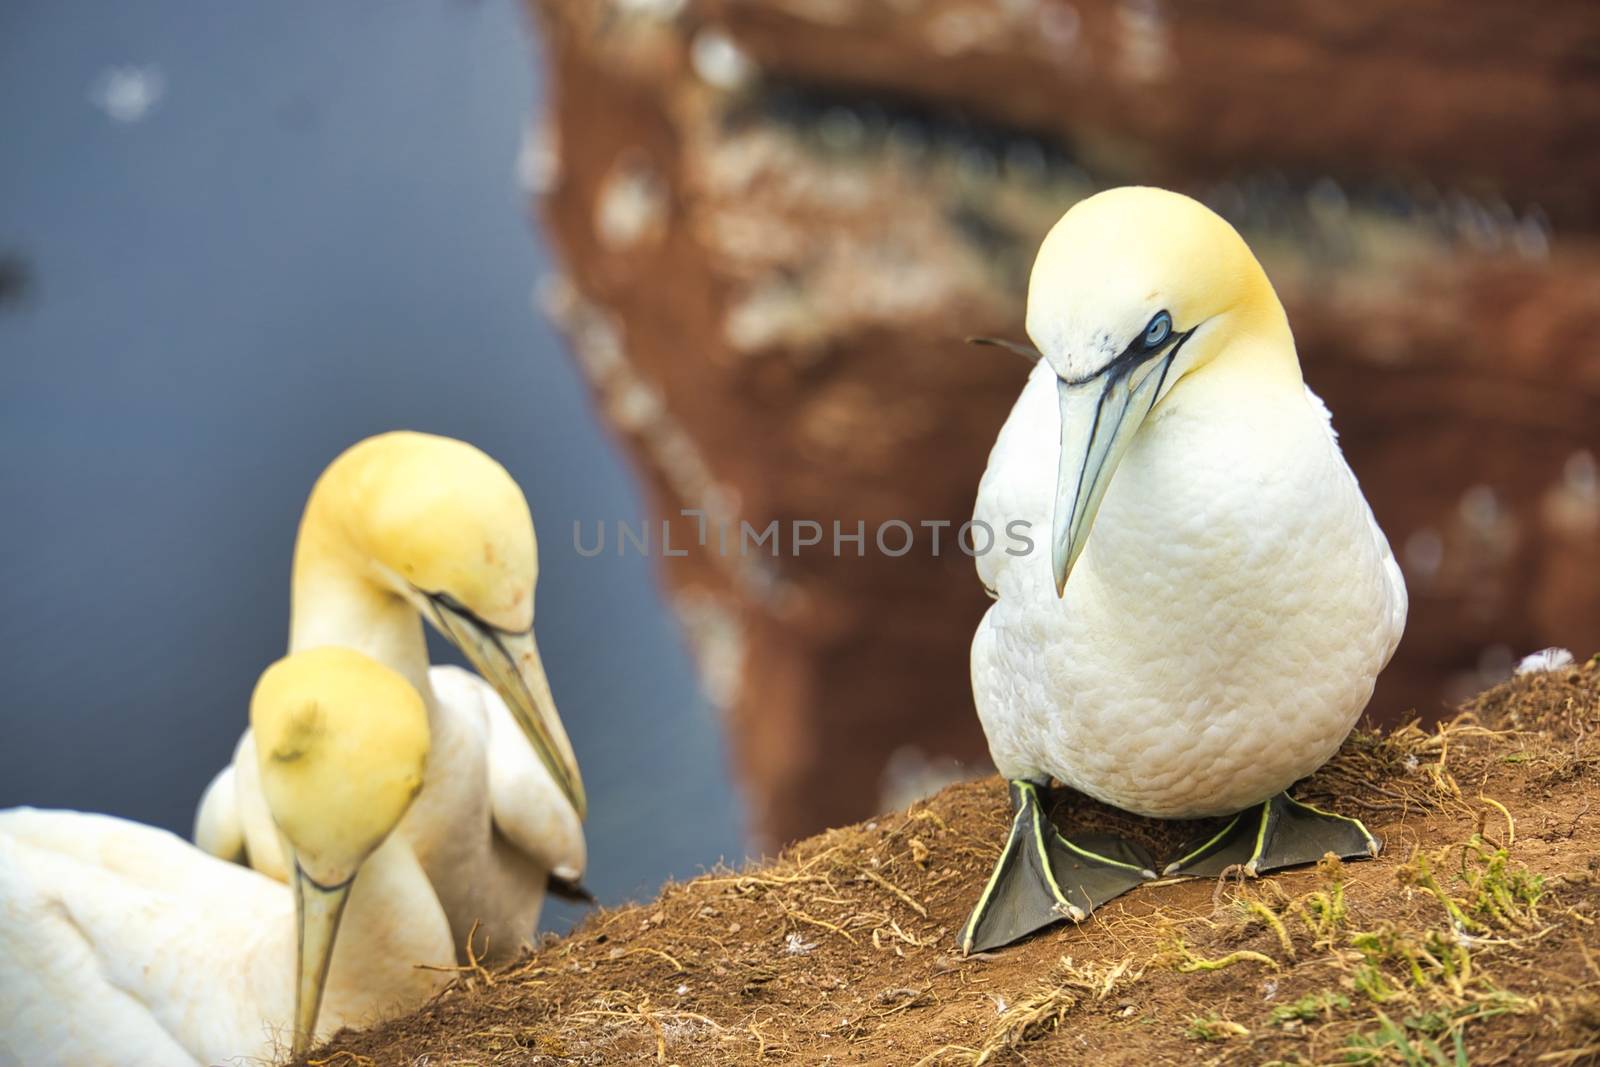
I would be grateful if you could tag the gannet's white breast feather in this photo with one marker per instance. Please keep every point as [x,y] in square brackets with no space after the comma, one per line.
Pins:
[1223,627]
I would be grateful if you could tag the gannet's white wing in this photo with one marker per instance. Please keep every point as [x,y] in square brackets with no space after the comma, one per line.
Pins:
[60,1006]
[216,821]
[1395,582]
[109,933]
[233,822]
[1016,493]
[529,810]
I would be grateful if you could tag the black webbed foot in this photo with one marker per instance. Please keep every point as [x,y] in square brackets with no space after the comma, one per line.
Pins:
[1042,877]
[1282,832]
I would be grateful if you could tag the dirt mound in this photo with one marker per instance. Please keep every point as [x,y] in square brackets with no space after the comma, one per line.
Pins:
[1466,941]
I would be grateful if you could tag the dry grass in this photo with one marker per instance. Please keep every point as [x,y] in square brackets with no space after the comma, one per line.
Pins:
[1470,940]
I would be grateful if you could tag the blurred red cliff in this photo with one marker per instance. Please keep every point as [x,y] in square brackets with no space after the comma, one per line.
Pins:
[777,220]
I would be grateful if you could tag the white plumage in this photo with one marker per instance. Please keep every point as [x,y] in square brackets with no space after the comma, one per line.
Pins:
[407,526]
[489,824]
[1223,627]
[123,946]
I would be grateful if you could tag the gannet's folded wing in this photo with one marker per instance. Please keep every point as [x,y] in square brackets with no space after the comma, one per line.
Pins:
[1016,496]
[529,809]
[233,823]
[216,822]
[1394,580]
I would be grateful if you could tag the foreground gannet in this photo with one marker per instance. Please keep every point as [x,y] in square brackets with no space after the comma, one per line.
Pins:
[122,945]
[409,523]
[1217,636]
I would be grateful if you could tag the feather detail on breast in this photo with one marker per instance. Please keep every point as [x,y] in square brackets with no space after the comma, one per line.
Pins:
[1399,599]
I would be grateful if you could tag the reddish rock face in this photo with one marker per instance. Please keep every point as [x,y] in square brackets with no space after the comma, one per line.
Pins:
[779,220]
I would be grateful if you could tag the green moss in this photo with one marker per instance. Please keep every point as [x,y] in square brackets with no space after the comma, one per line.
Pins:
[1310,1007]
[1371,983]
[1396,1042]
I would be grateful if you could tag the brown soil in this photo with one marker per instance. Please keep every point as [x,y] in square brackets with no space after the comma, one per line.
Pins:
[1472,932]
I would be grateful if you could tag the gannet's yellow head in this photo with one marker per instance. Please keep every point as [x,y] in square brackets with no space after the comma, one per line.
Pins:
[1133,290]
[437,522]
[439,516]
[341,744]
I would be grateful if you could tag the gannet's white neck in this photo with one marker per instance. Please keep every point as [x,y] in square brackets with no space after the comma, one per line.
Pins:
[336,598]
[392,923]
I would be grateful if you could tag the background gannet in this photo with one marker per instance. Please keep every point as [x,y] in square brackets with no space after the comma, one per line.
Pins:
[120,944]
[1217,636]
[409,523]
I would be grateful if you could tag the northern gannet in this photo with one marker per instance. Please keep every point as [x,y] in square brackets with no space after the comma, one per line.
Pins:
[409,524]
[120,944]
[1217,636]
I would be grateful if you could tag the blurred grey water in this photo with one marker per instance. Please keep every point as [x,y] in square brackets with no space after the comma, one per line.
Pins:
[239,237]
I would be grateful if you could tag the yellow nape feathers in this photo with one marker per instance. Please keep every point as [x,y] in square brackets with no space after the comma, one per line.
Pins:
[1117,258]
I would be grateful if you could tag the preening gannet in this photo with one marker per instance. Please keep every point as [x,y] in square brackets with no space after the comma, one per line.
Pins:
[1216,601]
[409,523]
[122,945]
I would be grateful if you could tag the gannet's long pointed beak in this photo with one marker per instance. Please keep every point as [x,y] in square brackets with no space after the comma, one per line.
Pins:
[1099,417]
[317,911]
[510,662]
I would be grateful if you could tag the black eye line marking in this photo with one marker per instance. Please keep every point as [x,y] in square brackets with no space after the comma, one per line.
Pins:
[1134,355]
[442,602]
[445,600]
[1120,368]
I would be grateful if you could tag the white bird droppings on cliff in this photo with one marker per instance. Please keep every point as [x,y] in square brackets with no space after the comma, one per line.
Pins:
[1059,26]
[718,61]
[1424,554]
[632,205]
[538,160]
[960,29]
[1531,238]
[717,639]
[1572,505]
[654,10]
[1146,45]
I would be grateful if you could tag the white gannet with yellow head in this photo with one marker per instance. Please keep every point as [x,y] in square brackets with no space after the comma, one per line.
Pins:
[1213,601]
[404,527]
[121,944]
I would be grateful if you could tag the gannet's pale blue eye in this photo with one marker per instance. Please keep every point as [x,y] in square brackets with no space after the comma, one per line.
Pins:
[1156,334]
